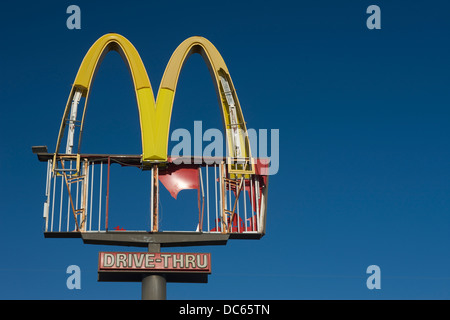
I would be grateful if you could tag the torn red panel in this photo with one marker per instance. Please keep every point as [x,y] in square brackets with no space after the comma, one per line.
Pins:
[261,172]
[177,178]
[262,168]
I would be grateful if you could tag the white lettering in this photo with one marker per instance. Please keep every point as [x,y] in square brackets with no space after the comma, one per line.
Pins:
[190,260]
[138,261]
[74,280]
[246,309]
[74,21]
[108,260]
[184,147]
[374,281]
[196,310]
[198,141]
[177,261]
[148,260]
[374,21]
[121,259]
[165,257]
[203,264]
[216,146]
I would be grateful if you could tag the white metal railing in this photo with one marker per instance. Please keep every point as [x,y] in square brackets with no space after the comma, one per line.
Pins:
[232,205]
[77,198]
[74,201]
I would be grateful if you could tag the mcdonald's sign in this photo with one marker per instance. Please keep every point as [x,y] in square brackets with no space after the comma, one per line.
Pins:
[240,182]
[155,115]
[236,187]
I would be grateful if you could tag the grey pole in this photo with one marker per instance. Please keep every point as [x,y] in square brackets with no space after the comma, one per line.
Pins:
[154,285]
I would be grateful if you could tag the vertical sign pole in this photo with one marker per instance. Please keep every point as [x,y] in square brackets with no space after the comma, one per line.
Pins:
[107,195]
[155,198]
[154,285]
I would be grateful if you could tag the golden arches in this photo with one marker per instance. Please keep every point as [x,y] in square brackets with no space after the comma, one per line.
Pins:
[155,117]
[86,74]
[232,115]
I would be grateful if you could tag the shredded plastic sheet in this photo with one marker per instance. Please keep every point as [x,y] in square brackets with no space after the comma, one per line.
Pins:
[178,178]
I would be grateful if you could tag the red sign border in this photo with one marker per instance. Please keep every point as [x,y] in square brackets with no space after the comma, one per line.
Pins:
[157,259]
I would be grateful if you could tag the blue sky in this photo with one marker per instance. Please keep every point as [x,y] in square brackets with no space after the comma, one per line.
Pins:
[364,122]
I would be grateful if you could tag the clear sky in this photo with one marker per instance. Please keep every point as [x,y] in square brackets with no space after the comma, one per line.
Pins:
[364,123]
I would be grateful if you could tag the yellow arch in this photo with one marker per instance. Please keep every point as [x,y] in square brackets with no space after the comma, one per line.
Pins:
[143,90]
[218,70]
[155,117]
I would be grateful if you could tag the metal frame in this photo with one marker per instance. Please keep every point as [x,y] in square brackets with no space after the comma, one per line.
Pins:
[230,216]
